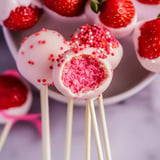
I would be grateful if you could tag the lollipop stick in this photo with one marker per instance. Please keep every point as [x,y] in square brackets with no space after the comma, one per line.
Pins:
[104,128]
[4,134]
[88,132]
[69,129]
[96,131]
[45,124]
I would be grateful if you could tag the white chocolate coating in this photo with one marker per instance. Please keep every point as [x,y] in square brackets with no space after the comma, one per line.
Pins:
[82,96]
[93,18]
[22,110]
[116,57]
[9,5]
[152,65]
[37,54]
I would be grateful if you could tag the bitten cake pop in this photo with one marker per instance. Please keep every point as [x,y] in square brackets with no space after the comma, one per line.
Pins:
[118,16]
[38,53]
[19,14]
[65,7]
[146,40]
[81,75]
[98,37]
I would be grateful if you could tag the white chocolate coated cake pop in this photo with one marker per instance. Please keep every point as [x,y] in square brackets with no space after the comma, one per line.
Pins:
[98,37]
[81,75]
[38,53]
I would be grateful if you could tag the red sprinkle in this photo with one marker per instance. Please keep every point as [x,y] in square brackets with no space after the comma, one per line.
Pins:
[31,62]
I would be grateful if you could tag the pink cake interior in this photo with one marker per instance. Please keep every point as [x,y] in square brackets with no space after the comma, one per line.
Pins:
[83,73]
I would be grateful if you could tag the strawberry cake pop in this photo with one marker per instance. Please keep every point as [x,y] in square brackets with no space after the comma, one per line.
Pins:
[65,7]
[37,54]
[98,37]
[82,75]
[15,95]
[19,14]
[118,16]
[146,39]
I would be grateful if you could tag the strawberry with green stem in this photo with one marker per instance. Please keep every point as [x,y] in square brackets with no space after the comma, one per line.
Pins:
[119,16]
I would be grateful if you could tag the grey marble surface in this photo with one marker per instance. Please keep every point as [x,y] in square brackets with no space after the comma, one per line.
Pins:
[134,126]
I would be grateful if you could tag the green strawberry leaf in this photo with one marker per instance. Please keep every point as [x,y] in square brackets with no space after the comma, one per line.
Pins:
[94,7]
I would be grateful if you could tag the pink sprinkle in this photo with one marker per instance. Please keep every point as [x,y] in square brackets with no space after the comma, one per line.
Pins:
[37,34]
[112,54]
[41,42]
[44,80]
[24,40]
[61,48]
[22,53]
[31,62]
[31,46]
[51,67]
[44,29]
[59,64]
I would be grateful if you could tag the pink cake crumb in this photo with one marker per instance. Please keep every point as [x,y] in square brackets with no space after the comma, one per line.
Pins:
[83,73]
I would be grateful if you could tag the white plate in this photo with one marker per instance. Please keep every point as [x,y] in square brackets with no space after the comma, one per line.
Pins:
[129,77]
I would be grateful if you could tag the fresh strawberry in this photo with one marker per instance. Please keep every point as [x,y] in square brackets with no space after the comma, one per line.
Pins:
[149,39]
[22,18]
[115,13]
[13,93]
[149,1]
[67,8]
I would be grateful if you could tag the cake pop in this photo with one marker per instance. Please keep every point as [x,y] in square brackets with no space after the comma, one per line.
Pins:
[38,53]
[98,37]
[35,62]
[81,75]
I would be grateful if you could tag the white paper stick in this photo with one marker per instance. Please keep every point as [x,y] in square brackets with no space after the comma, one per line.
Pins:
[88,133]
[69,122]
[96,131]
[46,146]
[4,134]
[104,128]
